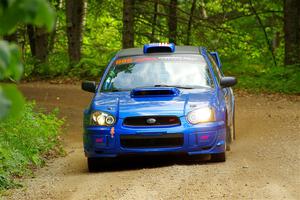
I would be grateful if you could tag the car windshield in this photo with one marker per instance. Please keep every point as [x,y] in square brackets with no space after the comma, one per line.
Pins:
[182,71]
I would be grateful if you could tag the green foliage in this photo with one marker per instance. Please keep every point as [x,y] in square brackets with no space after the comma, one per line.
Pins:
[10,61]
[10,66]
[13,13]
[37,12]
[229,27]
[57,65]
[12,101]
[24,143]
[259,78]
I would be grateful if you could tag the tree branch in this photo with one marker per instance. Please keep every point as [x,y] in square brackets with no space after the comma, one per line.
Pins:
[265,33]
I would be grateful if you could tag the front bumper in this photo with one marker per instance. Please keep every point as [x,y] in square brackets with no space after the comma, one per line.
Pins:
[206,138]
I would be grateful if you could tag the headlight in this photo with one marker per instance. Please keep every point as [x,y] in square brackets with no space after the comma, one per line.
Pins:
[102,119]
[201,115]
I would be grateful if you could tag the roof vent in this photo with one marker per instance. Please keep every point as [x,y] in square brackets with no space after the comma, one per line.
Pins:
[159,48]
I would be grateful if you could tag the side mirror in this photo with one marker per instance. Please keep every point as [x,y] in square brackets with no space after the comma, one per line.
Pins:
[216,57]
[228,82]
[89,86]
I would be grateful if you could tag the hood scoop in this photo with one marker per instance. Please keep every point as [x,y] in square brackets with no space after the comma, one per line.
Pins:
[154,92]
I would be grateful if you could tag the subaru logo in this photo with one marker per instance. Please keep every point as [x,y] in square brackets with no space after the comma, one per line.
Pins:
[151,121]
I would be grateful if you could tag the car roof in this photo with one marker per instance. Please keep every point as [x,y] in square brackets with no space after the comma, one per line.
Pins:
[178,50]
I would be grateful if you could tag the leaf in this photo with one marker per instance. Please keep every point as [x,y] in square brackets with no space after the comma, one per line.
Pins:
[12,13]
[11,101]
[36,12]
[15,65]
[4,57]
[5,104]
[10,61]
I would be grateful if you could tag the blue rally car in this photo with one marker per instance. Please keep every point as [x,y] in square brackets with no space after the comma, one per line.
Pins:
[160,98]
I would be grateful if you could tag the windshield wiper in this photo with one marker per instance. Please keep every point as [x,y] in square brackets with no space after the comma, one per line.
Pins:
[176,86]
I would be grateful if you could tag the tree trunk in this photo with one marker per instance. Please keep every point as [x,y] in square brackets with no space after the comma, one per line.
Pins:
[31,37]
[292,31]
[41,47]
[269,44]
[276,41]
[189,29]
[74,18]
[172,22]
[38,42]
[154,21]
[128,24]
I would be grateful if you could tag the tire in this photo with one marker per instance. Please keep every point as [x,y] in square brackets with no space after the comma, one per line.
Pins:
[228,138]
[233,124]
[230,133]
[92,164]
[218,157]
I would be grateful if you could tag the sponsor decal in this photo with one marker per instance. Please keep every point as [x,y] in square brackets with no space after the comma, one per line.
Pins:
[134,60]
[122,61]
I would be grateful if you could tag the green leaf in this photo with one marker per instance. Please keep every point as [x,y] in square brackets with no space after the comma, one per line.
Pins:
[5,104]
[10,61]
[4,57]
[15,65]
[11,101]
[36,12]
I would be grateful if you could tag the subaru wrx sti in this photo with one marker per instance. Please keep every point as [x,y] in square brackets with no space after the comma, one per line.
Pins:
[160,99]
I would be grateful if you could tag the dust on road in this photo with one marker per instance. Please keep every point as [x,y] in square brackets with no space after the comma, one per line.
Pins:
[263,164]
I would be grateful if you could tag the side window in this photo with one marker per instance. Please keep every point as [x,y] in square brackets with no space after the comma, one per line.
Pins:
[216,69]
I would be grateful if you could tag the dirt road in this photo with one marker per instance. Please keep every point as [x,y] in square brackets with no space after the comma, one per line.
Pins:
[264,162]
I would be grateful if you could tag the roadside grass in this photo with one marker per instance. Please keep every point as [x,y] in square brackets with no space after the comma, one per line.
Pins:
[257,78]
[26,142]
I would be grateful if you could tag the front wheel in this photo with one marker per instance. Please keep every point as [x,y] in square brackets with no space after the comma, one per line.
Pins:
[230,132]
[218,157]
[228,138]
[233,124]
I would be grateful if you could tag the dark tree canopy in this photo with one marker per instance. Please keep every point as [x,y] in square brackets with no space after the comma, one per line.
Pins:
[252,37]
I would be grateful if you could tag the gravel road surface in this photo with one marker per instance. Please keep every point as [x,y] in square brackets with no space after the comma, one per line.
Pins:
[264,162]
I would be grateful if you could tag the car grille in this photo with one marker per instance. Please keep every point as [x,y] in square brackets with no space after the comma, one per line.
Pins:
[153,141]
[152,121]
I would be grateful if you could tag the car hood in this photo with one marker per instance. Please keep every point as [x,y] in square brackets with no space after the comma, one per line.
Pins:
[122,104]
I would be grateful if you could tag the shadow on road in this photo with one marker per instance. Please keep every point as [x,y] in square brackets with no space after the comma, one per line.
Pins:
[147,162]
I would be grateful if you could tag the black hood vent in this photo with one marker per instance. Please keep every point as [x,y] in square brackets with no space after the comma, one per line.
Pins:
[155,92]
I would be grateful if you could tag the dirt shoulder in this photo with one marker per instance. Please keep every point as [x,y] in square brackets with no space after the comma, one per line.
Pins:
[263,164]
